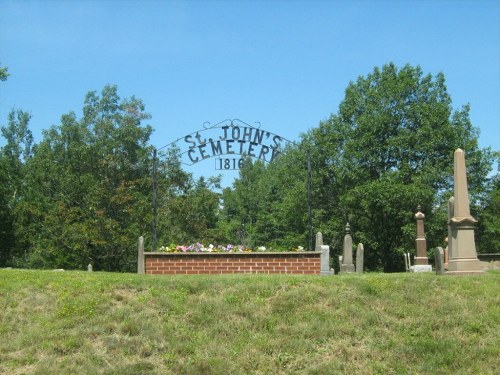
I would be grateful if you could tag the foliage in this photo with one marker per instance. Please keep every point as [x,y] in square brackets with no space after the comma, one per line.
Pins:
[266,203]
[388,149]
[397,133]
[105,323]
[489,217]
[84,193]
[6,219]
[188,209]
[243,203]
[88,187]
[13,157]
[3,73]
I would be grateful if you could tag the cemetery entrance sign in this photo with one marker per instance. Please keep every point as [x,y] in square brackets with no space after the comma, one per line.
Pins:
[228,142]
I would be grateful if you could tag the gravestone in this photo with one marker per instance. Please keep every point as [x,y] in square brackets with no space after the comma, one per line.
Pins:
[347,265]
[462,246]
[420,241]
[319,241]
[325,260]
[140,255]
[421,261]
[360,255]
[439,260]
[446,254]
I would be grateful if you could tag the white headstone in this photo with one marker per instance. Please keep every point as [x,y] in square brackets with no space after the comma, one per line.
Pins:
[360,255]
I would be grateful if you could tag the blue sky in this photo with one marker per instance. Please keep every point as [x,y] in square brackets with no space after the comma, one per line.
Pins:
[284,64]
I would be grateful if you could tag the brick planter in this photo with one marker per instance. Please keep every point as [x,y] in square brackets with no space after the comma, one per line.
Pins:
[308,262]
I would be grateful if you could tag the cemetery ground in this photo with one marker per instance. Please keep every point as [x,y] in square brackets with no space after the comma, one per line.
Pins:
[109,323]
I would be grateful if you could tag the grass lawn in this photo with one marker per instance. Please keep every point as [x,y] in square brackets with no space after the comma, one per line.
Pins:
[107,323]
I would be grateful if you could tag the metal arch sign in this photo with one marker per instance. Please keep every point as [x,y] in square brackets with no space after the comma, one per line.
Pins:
[224,141]
[228,139]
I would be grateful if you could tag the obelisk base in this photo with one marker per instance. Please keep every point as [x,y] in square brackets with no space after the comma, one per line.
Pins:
[421,261]
[464,259]
[421,268]
[464,267]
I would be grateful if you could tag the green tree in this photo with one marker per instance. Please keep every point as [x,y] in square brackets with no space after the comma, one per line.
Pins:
[489,217]
[388,149]
[188,209]
[6,219]
[193,215]
[267,204]
[13,157]
[90,179]
[3,73]
[242,204]
[397,132]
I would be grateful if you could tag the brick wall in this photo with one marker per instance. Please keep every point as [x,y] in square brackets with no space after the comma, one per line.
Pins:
[224,263]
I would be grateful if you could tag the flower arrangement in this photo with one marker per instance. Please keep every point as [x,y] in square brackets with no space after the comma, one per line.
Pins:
[200,248]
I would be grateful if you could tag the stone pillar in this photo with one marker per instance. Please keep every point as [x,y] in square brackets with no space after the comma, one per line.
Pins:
[140,255]
[420,242]
[439,260]
[347,265]
[360,257]
[463,255]
[325,260]
[421,261]
[319,241]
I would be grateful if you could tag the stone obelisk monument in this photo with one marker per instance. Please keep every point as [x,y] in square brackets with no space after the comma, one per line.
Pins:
[463,255]
[420,242]
[421,260]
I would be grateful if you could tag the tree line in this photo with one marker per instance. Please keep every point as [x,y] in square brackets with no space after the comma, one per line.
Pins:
[83,194]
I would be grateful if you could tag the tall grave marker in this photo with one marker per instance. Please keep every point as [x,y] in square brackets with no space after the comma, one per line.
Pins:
[347,264]
[421,261]
[420,242]
[462,247]
[360,258]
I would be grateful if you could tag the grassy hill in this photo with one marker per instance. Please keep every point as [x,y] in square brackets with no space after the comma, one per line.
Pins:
[105,323]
